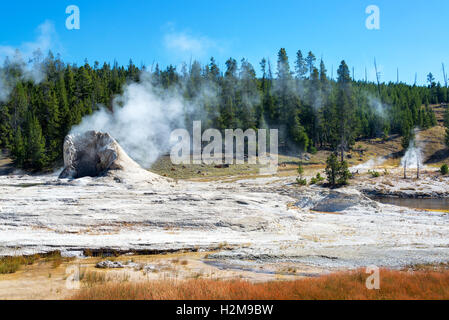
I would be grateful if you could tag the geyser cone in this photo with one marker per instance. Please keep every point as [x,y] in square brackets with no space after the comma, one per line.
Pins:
[96,154]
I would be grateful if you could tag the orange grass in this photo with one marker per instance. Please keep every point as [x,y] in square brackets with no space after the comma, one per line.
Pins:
[394,285]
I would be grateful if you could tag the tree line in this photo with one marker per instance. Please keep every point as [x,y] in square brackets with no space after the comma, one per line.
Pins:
[311,110]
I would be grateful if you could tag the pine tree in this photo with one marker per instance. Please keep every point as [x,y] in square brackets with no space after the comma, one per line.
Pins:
[214,71]
[310,60]
[431,80]
[84,89]
[345,112]
[54,138]
[287,100]
[268,103]
[300,66]
[35,144]
[19,105]
[299,135]
[337,172]
[332,167]
[250,95]
[6,132]
[18,148]
[407,135]
[64,110]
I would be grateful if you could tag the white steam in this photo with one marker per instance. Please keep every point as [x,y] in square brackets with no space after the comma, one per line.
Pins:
[5,88]
[377,106]
[27,58]
[370,164]
[141,121]
[413,156]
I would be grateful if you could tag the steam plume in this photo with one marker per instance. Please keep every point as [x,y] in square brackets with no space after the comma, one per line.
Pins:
[413,156]
[141,121]
[27,58]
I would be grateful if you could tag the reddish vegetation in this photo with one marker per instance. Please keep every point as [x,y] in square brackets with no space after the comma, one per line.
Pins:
[339,286]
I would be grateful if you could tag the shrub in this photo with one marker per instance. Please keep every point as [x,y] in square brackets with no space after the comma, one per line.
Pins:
[313,150]
[343,174]
[332,169]
[9,265]
[385,134]
[300,180]
[317,179]
[337,172]
[300,169]
[444,169]
[374,173]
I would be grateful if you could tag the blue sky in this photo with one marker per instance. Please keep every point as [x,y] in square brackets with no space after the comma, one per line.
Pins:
[413,35]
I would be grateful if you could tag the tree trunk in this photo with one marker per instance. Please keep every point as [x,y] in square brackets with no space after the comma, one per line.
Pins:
[405,170]
[417,172]
[342,152]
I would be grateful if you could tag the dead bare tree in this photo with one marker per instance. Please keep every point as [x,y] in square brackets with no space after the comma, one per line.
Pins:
[444,76]
[405,169]
[377,77]
[417,172]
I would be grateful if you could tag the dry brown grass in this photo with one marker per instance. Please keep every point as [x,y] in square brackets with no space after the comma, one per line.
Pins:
[94,278]
[12,264]
[429,285]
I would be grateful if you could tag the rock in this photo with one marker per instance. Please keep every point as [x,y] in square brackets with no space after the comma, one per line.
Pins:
[97,154]
[109,265]
[88,155]
[133,265]
[337,201]
[149,268]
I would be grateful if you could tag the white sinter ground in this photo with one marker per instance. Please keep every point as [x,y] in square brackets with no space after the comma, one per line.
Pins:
[263,220]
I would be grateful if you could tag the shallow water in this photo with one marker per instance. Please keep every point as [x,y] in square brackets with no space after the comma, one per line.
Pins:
[252,268]
[432,204]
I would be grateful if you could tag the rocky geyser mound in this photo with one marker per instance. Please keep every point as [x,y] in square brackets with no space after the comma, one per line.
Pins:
[88,155]
[97,154]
